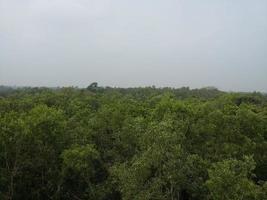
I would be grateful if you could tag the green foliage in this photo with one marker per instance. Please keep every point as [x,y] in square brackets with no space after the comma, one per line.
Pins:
[230,179]
[81,172]
[137,143]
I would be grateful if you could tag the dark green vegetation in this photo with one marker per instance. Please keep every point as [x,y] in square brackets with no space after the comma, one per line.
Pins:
[139,143]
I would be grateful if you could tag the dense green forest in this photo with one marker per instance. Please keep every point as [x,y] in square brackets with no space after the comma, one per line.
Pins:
[103,143]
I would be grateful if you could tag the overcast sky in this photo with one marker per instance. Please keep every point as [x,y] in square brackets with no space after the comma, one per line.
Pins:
[130,43]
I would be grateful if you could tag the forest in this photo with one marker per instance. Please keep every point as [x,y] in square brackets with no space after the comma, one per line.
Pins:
[147,143]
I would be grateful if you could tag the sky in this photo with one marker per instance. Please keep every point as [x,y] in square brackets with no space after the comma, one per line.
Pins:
[126,43]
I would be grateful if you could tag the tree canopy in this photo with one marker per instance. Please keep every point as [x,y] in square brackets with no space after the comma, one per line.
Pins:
[132,143]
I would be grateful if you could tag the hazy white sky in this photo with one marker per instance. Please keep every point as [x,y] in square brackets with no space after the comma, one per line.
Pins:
[125,43]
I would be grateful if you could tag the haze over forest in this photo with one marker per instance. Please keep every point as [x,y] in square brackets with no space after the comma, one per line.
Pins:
[133,99]
[124,43]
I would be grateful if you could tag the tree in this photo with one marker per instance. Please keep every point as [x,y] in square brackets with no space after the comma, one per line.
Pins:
[230,179]
[81,173]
